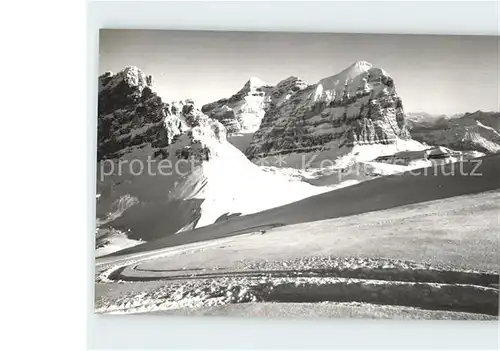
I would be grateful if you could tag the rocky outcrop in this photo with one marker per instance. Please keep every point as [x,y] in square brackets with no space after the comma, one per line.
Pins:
[358,106]
[478,131]
[131,115]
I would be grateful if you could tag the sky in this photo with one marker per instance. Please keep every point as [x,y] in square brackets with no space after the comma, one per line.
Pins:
[433,74]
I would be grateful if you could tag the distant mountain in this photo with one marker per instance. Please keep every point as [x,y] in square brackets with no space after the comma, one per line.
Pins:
[422,118]
[477,131]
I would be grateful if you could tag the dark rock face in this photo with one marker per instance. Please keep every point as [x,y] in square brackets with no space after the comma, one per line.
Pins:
[355,107]
[122,89]
[130,114]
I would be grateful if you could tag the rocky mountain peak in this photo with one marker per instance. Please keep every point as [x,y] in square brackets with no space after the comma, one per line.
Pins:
[125,87]
[253,87]
[132,116]
[339,80]
[352,79]
[131,76]
[360,66]
[255,82]
[357,106]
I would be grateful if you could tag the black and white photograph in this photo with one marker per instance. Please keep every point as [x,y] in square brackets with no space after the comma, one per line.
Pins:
[297,175]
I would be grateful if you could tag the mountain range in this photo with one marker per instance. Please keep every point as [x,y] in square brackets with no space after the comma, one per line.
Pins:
[476,131]
[226,152]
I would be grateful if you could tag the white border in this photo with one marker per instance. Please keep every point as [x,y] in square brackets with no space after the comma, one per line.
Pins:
[474,18]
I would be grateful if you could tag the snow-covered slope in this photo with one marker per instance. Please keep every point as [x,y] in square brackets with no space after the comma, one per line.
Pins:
[167,167]
[478,131]
[228,183]
[386,192]
[358,106]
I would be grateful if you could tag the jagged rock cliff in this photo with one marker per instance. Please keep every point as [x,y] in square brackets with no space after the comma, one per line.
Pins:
[358,106]
[129,113]
[131,116]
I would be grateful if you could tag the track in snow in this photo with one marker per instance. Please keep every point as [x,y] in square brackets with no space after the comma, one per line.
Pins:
[380,282]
